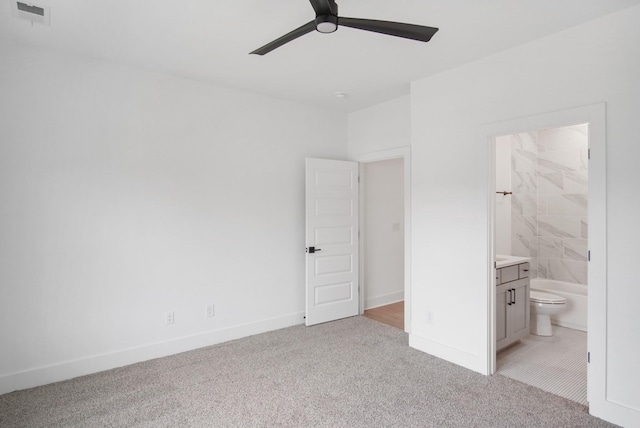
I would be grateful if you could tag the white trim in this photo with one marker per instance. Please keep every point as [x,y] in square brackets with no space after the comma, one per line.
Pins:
[491,242]
[595,116]
[397,153]
[110,360]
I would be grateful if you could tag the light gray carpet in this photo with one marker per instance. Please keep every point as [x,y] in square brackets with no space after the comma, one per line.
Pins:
[350,373]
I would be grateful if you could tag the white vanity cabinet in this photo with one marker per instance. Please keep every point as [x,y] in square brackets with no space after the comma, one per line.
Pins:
[512,304]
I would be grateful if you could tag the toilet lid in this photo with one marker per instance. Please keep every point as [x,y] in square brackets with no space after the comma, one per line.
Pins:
[541,297]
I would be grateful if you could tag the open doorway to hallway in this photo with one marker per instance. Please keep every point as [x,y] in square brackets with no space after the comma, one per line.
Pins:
[383,240]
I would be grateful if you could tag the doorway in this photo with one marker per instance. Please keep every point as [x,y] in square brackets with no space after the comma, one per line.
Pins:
[542,214]
[383,241]
[385,235]
[594,116]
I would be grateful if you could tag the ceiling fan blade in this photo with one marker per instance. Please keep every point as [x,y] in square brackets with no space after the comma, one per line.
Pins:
[398,29]
[324,7]
[301,31]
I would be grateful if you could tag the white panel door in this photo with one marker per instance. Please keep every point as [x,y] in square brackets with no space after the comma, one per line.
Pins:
[331,240]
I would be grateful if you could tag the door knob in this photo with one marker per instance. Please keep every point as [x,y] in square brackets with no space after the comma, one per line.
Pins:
[312,250]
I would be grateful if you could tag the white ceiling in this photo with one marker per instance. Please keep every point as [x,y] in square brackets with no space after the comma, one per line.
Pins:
[210,40]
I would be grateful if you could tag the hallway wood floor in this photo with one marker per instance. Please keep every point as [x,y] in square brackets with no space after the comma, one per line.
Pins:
[392,314]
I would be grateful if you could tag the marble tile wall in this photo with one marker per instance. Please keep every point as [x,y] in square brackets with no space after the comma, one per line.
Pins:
[524,200]
[549,201]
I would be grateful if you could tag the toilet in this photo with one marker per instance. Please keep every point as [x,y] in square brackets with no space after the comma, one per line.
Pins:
[543,305]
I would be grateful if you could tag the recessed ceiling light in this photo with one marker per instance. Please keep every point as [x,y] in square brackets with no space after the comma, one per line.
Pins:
[341,95]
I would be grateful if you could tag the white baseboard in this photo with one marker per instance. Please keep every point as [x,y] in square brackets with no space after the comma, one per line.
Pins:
[386,299]
[97,363]
[570,325]
[448,353]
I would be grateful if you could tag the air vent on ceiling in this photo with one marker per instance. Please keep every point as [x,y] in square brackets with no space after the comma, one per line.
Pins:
[30,12]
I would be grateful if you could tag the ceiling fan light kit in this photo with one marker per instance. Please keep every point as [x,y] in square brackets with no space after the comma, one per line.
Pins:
[327,21]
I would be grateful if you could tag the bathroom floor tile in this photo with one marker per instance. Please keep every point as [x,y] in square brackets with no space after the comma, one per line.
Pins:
[556,364]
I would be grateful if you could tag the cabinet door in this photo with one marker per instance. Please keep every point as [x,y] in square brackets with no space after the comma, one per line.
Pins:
[502,336]
[519,312]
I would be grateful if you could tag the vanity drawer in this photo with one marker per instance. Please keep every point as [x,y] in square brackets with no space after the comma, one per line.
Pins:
[498,281]
[509,273]
[523,270]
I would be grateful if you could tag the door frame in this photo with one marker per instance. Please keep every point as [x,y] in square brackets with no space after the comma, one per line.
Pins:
[382,155]
[595,116]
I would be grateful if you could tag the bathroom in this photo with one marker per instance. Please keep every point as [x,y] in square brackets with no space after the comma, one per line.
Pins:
[541,214]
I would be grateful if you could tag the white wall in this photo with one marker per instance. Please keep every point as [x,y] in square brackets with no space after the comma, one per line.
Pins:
[383,232]
[381,127]
[595,62]
[127,194]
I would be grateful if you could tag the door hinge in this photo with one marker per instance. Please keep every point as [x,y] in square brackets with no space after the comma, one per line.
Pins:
[588,153]
[588,357]
[589,255]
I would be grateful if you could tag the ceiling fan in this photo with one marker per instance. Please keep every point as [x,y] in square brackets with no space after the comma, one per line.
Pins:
[327,21]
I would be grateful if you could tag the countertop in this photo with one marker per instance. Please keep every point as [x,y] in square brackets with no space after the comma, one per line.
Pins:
[504,260]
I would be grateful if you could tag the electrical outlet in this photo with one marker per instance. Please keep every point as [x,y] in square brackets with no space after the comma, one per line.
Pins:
[170,318]
[210,311]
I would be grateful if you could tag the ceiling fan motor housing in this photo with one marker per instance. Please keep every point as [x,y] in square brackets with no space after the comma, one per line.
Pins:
[326,23]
